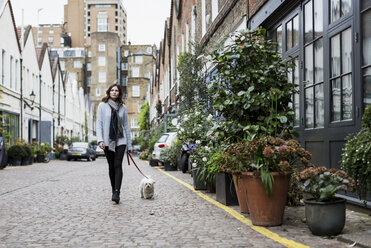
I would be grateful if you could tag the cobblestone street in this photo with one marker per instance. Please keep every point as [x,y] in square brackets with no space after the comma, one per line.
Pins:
[67,204]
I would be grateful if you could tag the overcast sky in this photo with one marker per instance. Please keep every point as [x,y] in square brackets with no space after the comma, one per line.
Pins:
[146,18]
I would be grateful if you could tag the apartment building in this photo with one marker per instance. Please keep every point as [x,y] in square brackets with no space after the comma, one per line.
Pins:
[53,34]
[84,17]
[138,67]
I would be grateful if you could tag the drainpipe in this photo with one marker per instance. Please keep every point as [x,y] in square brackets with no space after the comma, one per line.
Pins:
[39,108]
[59,98]
[21,82]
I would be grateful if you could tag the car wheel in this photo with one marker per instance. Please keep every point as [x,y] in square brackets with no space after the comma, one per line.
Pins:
[184,163]
[94,158]
[68,159]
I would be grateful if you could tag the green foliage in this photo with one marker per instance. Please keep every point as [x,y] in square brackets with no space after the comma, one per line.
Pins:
[194,124]
[62,140]
[144,154]
[193,87]
[16,151]
[251,90]
[356,157]
[169,154]
[201,163]
[143,120]
[27,150]
[93,142]
[322,183]
[74,139]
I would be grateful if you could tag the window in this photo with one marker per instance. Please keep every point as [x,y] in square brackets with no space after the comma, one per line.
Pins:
[39,31]
[339,8]
[101,60]
[51,31]
[186,37]
[135,71]
[62,65]
[136,91]
[148,75]
[16,75]
[134,123]
[126,53]
[50,39]
[88,66]
[293,77]
[97,91]
[102,77]
[102,21]
[313,69]
[292,33]
[102,47]
[11,72]
[124,66]
[124,81]
[89,54]
[341,75]
[39,40]
[2,66]
[139,107]
[366,53]
[138,59]
[10,122]
[89,80]
[77,64]
[149,49]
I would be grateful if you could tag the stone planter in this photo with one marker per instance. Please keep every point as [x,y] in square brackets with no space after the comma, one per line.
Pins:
[325,218]
[225,190]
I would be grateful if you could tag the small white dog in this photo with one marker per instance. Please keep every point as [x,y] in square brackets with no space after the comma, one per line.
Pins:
[147,188]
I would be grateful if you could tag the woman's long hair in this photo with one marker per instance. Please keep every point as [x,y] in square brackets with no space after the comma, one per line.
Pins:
[119,98]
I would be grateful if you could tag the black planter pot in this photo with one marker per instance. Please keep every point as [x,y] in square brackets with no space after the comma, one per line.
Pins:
[16,161]
[40,158]
[225,191]
[25,161]
[169,167]
[198,184]
[63,156]
[325,218]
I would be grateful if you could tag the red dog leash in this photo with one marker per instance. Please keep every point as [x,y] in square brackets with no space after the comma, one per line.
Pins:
[129,156]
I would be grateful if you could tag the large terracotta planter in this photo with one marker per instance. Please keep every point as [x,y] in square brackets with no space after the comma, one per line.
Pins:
[266,210]
[241,193]
[325,218]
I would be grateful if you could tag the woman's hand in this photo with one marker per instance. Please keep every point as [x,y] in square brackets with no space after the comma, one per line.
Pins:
[101,145]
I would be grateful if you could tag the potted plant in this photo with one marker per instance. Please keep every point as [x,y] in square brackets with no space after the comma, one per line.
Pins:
[224,186]
[357,156]
[28,158]
[169,156]
[325,213]
[266,165]
[16,153]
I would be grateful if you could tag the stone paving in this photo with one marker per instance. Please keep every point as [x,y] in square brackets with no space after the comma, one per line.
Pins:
[67,204]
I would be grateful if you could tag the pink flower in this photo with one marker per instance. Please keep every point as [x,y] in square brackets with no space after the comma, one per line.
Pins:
[222,168]
[268,152]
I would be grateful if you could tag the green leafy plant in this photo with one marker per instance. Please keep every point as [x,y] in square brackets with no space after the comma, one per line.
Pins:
[356,157]
[169,154]
[143,120]
[193,86]
[251,89]
[201,163]
[16,151]
[322,183]
[194,124]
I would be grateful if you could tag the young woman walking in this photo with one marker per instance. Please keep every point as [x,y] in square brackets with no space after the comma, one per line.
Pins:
[113,135]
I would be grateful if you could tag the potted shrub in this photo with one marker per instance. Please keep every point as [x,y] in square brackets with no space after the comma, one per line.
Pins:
[224,186]
[266,165]
[16,153]
[325,213]
[169,156]
[28,158]
[357,156]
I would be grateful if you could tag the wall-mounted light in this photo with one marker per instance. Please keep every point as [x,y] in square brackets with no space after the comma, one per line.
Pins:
[32,97]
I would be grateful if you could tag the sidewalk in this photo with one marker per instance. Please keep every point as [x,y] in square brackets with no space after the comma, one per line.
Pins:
[356,233]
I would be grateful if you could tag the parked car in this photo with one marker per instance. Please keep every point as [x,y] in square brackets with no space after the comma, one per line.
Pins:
[165,140]
[99,152]
[136,149]
[81,150]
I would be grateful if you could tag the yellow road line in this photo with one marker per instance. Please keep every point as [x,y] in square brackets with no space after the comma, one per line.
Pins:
[240,217]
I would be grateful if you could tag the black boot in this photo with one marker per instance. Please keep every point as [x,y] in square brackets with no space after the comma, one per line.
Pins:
[116,196]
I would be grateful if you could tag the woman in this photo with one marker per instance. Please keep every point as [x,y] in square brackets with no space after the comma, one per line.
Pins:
[113,135]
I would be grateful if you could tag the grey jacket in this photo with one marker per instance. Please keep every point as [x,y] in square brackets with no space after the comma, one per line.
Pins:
[103,123]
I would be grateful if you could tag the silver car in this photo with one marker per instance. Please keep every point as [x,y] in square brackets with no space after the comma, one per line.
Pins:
[165,140]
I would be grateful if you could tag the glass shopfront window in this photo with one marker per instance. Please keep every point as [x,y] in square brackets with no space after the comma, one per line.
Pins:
[9,128]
